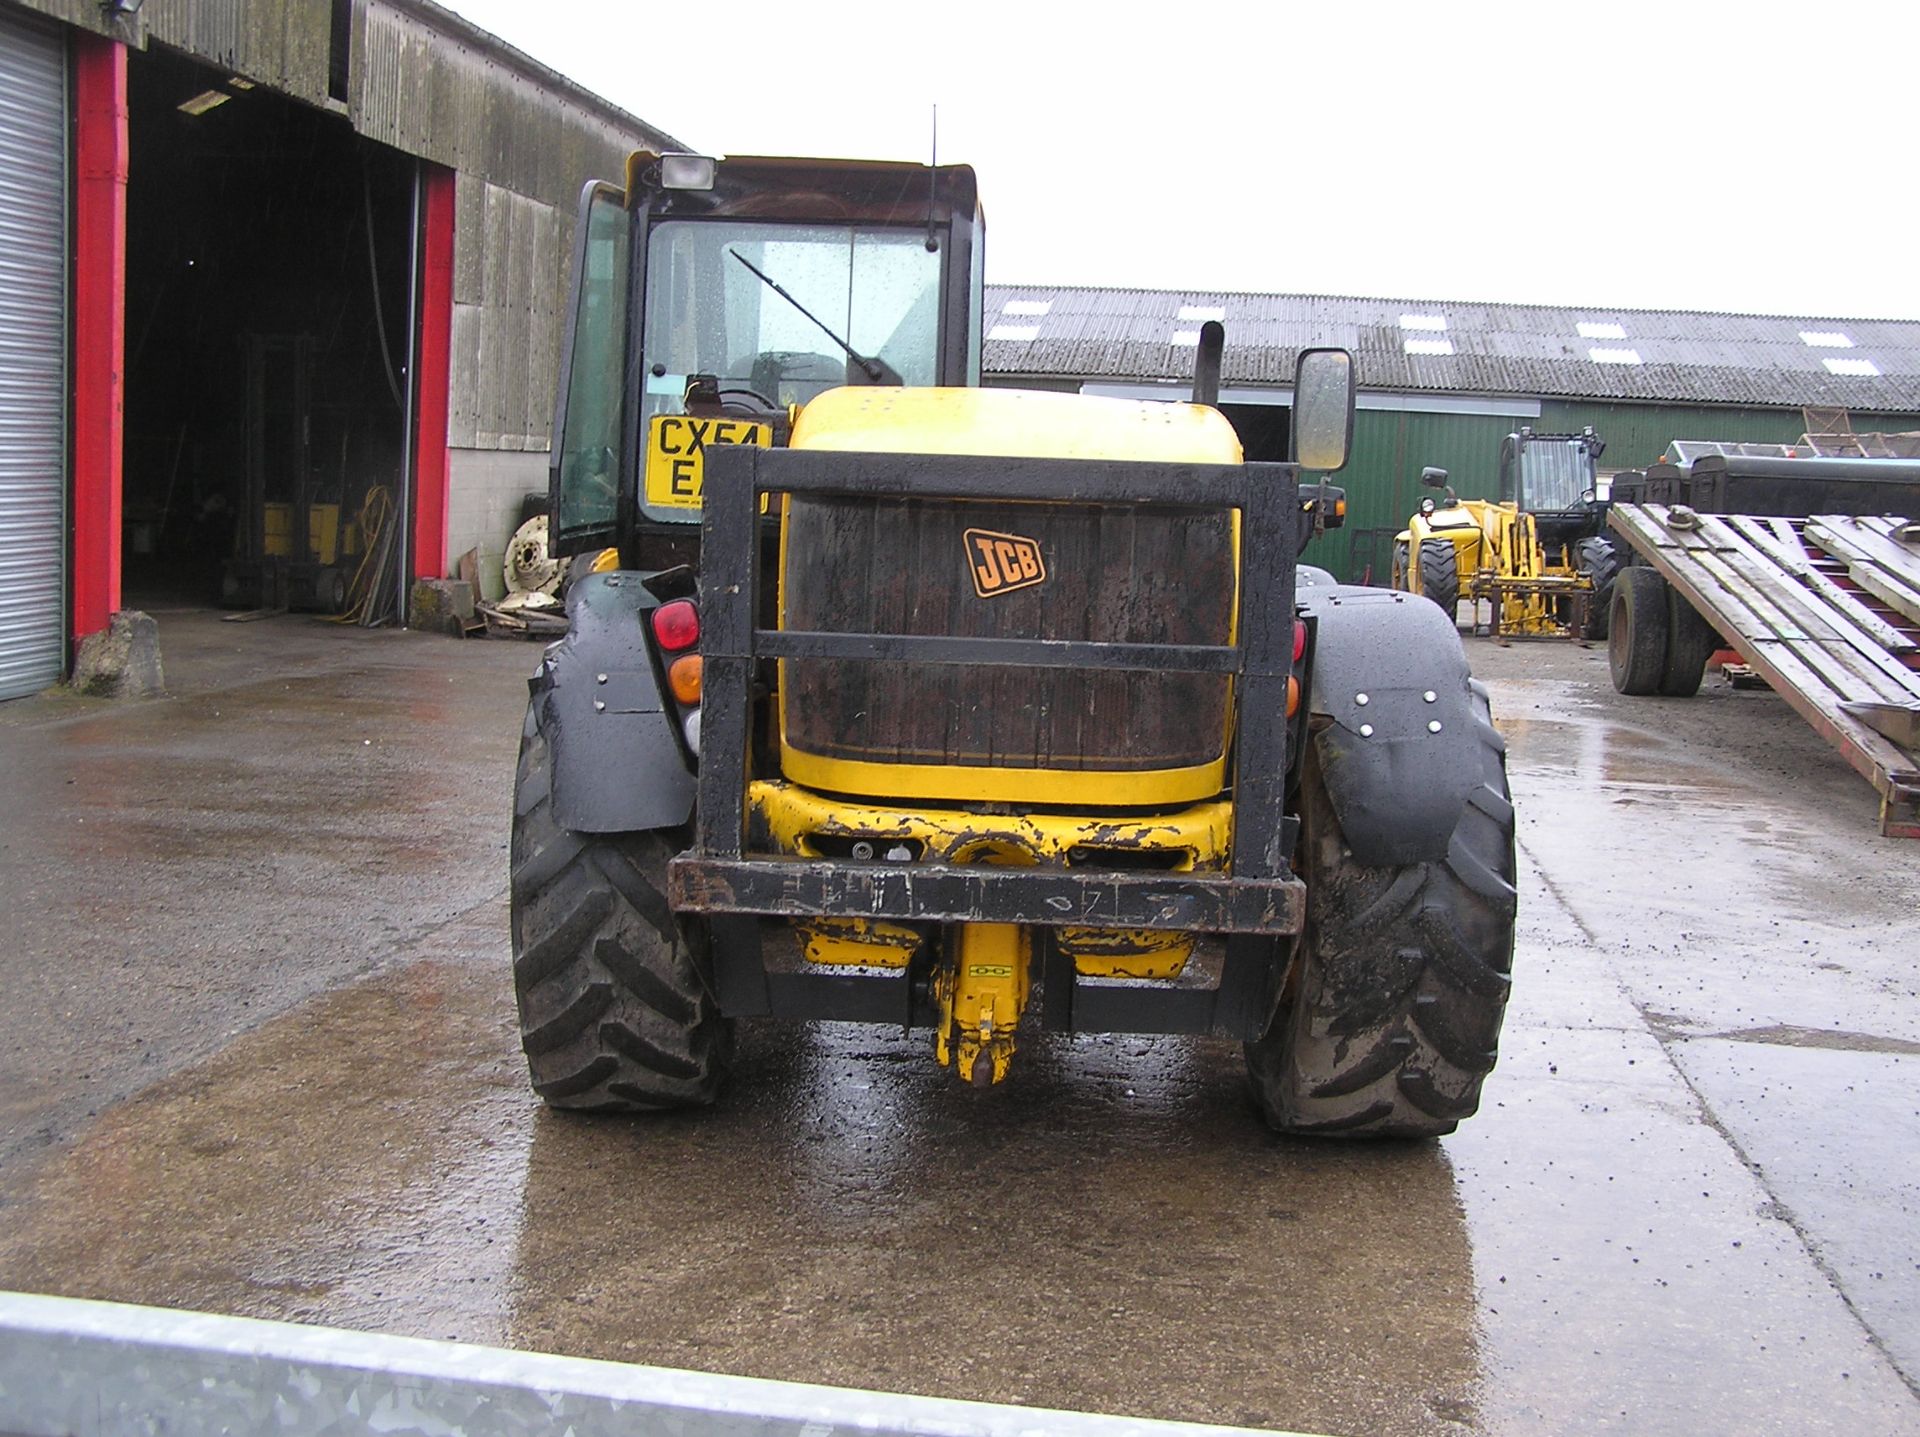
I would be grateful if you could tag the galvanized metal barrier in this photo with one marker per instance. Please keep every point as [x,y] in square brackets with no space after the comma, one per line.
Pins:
[70,1368]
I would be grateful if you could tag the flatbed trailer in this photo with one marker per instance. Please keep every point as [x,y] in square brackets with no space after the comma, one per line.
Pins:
[1810,570]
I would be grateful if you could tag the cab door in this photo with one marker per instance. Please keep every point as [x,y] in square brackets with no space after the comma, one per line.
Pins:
[586,481]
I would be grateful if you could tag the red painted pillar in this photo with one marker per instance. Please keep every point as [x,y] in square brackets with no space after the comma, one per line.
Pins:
[433,374]
[99,323]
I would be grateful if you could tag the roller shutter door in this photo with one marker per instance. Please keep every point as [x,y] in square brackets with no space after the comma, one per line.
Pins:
[33,349]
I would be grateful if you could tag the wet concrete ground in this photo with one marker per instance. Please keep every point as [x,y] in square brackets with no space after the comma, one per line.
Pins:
[259,1058]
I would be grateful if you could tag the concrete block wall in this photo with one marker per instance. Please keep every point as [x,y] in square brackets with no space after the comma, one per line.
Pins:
[484,506]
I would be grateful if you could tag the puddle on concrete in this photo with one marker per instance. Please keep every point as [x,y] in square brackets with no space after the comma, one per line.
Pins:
[1113,1230]
[356,1162]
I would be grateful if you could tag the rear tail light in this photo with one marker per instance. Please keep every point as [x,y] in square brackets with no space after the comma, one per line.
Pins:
[1299,640]
[677,625]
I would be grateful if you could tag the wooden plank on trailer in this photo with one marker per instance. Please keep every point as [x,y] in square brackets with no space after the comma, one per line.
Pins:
[1788,615]
[1851,661]
[1776,539]
[1877,562]
[1710,570]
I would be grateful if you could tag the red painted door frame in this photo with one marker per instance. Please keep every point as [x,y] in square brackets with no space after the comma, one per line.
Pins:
[99,324]
[433,374]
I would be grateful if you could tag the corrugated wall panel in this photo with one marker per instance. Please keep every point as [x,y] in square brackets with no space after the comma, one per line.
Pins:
[33,330]
[1637,433]
[426,83]
[282,43]
[1390,448]
[510,284]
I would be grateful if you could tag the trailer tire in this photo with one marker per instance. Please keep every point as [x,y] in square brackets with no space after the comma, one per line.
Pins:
[1440,575]
[1401,973]
[613,987]
[1596,557]
[1637,631]
[1691,641]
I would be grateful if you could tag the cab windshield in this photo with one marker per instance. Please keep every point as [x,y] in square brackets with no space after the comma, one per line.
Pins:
[1554,477]
[708,313]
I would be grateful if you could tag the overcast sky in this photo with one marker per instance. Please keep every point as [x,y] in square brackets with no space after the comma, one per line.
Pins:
[1671,156]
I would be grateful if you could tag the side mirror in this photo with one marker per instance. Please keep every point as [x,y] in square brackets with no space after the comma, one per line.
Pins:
[1433,478]
[1323,385]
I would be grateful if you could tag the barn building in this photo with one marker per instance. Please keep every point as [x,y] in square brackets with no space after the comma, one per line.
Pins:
[1441,383]
[281,293]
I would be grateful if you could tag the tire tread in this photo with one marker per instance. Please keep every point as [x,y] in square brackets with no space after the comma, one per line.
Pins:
[616,1008]
[1403,974]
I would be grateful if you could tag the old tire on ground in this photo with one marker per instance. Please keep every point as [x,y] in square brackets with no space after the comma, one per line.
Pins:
[1440,575]
[1402,973]
[616,1006]
[1596,557]
[1637,631]
[1400,577]
[1690,643]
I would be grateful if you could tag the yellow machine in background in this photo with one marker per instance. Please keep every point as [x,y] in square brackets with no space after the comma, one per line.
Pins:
[1538,556]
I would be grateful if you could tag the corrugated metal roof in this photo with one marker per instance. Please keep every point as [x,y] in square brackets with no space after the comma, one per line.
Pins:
[1661,356]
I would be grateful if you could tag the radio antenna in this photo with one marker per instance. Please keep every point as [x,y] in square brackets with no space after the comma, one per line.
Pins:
[933,181]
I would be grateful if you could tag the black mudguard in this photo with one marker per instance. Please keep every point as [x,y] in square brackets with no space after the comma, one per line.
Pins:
[618,761]
[1393,719]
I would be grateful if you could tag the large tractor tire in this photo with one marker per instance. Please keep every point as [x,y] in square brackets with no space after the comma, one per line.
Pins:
[1393,1013]
[1691,641]
[616,1007]
[1637,631]
[1401,580]
[1440,575]
[1596,557]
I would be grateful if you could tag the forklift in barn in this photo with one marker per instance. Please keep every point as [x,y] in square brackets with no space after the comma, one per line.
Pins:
[1540,555]
[978,711]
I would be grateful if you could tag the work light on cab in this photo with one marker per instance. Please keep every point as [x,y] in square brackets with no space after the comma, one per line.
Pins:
[686,172]
[677,625]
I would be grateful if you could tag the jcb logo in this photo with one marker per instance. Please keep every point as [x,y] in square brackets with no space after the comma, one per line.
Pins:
[1003,562]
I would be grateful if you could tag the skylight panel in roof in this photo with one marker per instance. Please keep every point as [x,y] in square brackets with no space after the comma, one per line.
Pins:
[1018,333]
[1026,306]
[1427,346]
[1186,338]
[1435,322]
[1825,339]
[1595,329]
[1865,368]
[1614,356]
[1201,313]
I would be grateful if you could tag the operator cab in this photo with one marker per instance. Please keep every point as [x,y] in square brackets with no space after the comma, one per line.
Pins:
[758,284]
[1554,478]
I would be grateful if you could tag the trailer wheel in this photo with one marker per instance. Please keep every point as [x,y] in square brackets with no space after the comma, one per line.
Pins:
[1596,557]
[616,1006]
[1637,631]
[1691,641]
[1440,575]
[1401,975]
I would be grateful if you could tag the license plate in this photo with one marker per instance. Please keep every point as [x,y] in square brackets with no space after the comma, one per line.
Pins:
[676,454]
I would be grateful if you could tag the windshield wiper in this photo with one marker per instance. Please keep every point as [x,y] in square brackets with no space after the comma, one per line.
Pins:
[877,371]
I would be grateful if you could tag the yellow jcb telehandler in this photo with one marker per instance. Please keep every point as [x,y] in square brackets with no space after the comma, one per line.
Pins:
[1539,556]
[972,710]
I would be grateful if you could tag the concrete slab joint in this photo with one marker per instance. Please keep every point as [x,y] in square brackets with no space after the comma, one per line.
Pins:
[121,661]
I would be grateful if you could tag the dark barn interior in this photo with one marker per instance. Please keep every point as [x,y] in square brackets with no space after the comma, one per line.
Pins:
[267,324]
